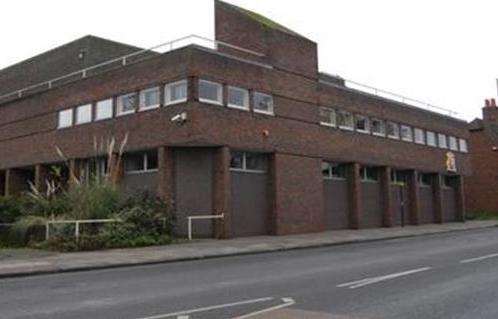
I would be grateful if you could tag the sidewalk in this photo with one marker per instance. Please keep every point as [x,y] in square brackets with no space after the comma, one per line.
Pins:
[28,262]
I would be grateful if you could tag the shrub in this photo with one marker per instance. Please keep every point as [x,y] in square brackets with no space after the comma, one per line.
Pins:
[10,209]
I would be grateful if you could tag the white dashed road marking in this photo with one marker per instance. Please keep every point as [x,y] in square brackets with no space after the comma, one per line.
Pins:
[287,302]
[472,260]
[373,280]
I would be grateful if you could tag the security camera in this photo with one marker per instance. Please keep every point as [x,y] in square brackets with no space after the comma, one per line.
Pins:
[179,118]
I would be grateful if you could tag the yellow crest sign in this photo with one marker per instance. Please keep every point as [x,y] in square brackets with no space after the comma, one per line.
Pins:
[451,162]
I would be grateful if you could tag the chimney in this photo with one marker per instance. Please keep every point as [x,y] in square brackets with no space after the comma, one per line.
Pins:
[490,111]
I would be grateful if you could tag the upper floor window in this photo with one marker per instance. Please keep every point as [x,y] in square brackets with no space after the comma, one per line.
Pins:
[65,118]
[345,120]
[369,174]
[327,117]
[392,130]
[175,92]
[149,99]
[84,114]
[362,124]
[442,141]
[463,145]
[238,98]
[453,143]
[140,162]
[126,104]
[378,127]
[103,110]
[419,136]
[210,92]
[263,103]
[333,170]
[406,133]
[248,162]
[431,138]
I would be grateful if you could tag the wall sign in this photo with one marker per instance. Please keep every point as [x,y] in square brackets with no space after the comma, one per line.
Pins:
[451,162]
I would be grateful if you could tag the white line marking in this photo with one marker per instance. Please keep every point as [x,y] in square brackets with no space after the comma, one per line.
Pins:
[25,264]
[287,302]
[373,280]
[182,317]
[227,305]
[471,260]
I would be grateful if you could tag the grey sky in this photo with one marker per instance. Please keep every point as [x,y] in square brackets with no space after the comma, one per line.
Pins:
[442,52]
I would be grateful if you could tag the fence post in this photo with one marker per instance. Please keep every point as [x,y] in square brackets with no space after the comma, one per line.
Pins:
[77,230]
[189,228]
[47,230]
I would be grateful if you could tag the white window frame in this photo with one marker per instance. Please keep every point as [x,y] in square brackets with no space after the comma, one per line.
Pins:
[167,93]
[244,164]
[246,106]
[464,148]
[86,108]
[364,176]
[219,93]
[145,160]
[453,143]
[410,129]
[331,176]
[367,124]
[383,126]
[398,130]
[420,180]
[70,115]
[332,117]
[141,99]
[97,118]
[433,134]
[119,105]
[419,130]
[344,127]
[270,111]
[439,136]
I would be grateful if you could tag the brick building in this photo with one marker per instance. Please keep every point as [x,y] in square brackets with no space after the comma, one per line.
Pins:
[249,128]
[481,189]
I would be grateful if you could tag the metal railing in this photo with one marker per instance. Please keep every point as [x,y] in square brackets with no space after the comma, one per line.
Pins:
[124,60]
[77,224]
[191,218]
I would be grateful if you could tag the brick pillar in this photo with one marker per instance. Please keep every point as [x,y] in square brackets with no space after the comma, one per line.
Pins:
[41,174]
[192,89]
[2,183]
[166,183]
[386,197]
[460,198]
[438,198]
[222,192]
[414,198]
[15,182]
[354,190]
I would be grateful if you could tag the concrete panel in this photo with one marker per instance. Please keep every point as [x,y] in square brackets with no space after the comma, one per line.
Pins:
[336,204]
[426,205]
[372,208]
[396,191]
[449,205]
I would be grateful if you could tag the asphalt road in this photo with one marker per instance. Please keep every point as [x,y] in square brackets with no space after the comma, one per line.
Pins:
[453,275]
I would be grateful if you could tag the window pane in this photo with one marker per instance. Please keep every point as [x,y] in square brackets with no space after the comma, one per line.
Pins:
[238,97]
[127,103]
[65,118]
[425,179]
[255,162]
[378,127]
[176,92]
[84,114]
[419,136]
[431,138]
[263,103]
[338,171]
[371,174]
[362,124]
[463,146]
[406,133]
[453,143]
[210,92]
[326,170]
[237,160]
[443,143]
[103,109]
[327,116]
[392,130]
[345,120]
[149,98]
[152,160]
[134,162]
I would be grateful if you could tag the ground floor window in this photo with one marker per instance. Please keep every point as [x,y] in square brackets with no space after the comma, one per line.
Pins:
[140,162]
[398,177]
[369,174]
[249,162]
[424,179]
[333,170]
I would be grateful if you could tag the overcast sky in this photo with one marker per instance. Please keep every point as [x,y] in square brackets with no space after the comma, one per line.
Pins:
[442,52]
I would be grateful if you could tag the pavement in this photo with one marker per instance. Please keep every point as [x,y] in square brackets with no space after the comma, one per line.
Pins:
[30,262]
[445,275]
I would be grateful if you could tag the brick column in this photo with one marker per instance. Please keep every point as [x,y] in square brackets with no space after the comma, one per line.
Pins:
[414,198]
[41,174]
[222,192]
[166,183]
[355,201]
[460,198]
[438,198]
[386,197]
[192,89]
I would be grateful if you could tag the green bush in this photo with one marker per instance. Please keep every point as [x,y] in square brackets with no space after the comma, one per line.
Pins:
[481,215]
[10,209]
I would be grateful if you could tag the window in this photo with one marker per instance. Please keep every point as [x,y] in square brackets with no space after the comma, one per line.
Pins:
[103,110]
[378,127]
[406,133]
[149,99]
[327,117]
[345,120]
[447,181]
[140,162]
[431,139]
[463,145]
[424,179]
[443,143]
[333,170]
[398,177]
[392,130]
[84,114]
[263,103]
[65,118]
[419,136]
[453,143]
[248,162]
[238,98]
[126,104]
[369,174]
[175,92]
[362,124]
[210,92]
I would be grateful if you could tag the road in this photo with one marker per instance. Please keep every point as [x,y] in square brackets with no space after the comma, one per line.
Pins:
[453,275]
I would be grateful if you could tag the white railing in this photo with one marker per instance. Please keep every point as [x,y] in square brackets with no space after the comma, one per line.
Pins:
[195,217]
[77,225]
[126,59]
